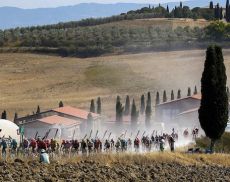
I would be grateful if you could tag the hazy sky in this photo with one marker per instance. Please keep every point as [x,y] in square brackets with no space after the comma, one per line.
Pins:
[56,3]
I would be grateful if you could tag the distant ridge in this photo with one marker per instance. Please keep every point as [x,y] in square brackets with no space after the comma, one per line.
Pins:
[11,17]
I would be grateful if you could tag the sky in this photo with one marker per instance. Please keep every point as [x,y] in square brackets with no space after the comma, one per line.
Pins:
[29,4]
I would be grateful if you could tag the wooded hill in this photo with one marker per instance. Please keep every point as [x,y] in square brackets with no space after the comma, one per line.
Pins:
[95,37]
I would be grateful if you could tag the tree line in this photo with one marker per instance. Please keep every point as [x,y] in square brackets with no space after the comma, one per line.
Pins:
[99,40]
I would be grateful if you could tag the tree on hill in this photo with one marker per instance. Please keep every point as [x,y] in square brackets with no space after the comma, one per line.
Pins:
[119,110]
[92,106]
[168,9]
[189,92]
[38,110]
[165,96]
[213,111]
[157,98]
[127,106]
[227,12]
[142,104]
[4,115]
[221,13]
[98,105]
[172,95]
[217,11]
[179,94]
[61,104]
[134,113]
[211,5]
[195,91]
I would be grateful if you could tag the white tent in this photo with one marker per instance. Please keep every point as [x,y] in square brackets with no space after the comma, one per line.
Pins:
[9,129]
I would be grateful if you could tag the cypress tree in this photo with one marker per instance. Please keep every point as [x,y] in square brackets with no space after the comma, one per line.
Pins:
[134,113]
[181,6]
[213,111]
[15,116]
[89,117]
[167,9]
[119,110]
[149,100]
[227,14]
[127,106]
[89,121]
[92,106]
[98,105]
[142,104]
[172,95]
[211,5]
[148,110]
[221,13]
[195,91]
[217,11]
[179,94]
[61,104]
[118,98]
[38,110]
[189,92]
[4,115]
[165,96]
[157,98]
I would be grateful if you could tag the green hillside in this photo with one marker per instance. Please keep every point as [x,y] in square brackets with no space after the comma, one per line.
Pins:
[147,29]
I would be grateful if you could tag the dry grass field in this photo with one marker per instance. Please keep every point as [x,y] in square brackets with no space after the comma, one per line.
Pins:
[28,80]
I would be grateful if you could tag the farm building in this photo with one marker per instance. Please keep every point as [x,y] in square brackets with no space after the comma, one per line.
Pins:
[64,119]
[167,111]
[53,127]
[188,119]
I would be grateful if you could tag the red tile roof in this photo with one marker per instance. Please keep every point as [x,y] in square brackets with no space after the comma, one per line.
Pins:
[55,119]
[79,113]
[197,96]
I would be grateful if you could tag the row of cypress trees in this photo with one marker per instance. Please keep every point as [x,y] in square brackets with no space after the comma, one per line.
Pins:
[145,105]
[93,108]
[165,98]
[218,11]
[146,108]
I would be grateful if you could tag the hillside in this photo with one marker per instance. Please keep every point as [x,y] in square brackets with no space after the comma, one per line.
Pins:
[17,17]
[119,37]
[143,30]
[28,80]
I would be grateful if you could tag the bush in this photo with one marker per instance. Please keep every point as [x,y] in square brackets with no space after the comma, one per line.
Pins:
[222,145]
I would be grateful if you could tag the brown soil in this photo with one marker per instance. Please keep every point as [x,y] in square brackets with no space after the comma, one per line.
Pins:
[93,170]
